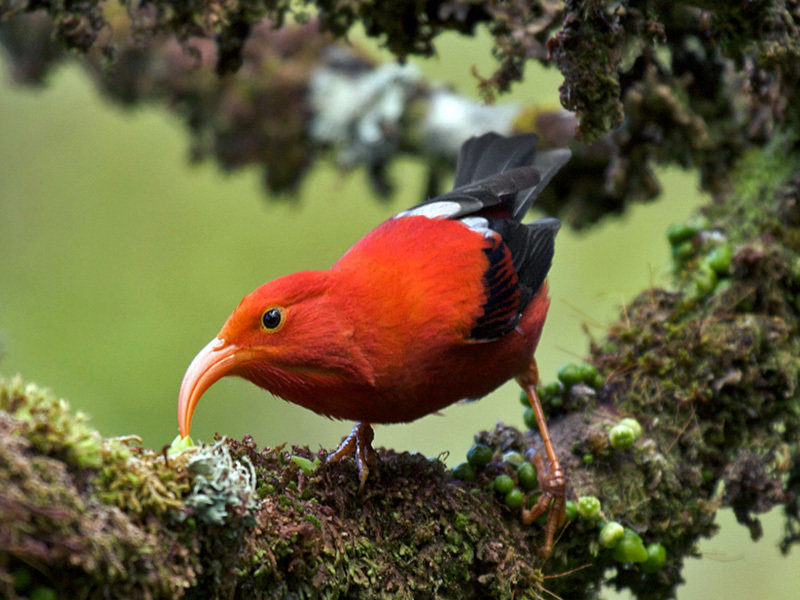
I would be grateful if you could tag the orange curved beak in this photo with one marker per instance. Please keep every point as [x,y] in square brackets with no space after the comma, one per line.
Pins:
[213,362]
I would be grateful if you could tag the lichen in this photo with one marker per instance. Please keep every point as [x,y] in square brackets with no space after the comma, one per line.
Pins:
[220,484]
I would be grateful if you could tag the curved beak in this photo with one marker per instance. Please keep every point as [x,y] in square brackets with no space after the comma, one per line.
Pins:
[213,362]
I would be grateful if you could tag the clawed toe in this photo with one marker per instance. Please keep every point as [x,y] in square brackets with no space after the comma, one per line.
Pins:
[359,443]
[552,500]
[552,480]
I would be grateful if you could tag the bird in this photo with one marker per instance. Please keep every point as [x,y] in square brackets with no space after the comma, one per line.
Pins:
[443,302]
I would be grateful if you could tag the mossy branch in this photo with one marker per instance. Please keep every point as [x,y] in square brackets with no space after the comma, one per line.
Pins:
[709,370]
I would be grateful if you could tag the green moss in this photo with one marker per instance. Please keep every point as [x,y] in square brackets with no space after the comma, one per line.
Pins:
[82,547]
[50,426]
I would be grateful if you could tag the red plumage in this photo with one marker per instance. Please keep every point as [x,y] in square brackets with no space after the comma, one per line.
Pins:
[382,337]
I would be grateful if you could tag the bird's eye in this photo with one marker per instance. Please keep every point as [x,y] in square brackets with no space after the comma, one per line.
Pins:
[272,318]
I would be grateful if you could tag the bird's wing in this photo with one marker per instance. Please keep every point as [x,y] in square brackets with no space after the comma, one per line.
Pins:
[497,179]
[497,176]
[519,258]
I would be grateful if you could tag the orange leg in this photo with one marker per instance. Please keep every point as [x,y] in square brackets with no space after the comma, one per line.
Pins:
[358,442]
[552,480]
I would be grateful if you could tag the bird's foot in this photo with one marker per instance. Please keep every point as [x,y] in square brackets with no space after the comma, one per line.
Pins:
[552,500]
[359,443]
[552,479]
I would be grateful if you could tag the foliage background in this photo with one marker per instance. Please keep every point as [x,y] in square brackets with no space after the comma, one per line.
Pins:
[118,261]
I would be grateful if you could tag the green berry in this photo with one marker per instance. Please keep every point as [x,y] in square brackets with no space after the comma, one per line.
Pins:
[635,426]
[587,458]
[523,398]
[569,375]
[552,389]
[514,498]
[503,484]
[630,548]
[589,507]
[587,372]
[530,418]
[464,472]
[656,558]
[513,458]
[611,534]
[680,232]
[597,382]
[570,510]
[682,252]
[719,259]
[479,455]
[723,286]
[705,280]
[527,476]
[621,436]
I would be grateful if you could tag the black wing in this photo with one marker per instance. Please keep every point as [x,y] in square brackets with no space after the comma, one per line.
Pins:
[497,180]
[495,175]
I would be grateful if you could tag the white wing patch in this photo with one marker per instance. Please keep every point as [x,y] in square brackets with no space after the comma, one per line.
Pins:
[447,209]
[479,225]
[432,210]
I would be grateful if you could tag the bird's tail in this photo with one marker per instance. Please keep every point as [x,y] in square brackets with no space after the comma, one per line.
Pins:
[509,168]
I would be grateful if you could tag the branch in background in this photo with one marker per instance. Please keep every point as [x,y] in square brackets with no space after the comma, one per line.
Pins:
[298,94]
[695,87]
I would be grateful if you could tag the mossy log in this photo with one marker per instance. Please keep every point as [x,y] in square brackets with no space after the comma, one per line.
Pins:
[709,370]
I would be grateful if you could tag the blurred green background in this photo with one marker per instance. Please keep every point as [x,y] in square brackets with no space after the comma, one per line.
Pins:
[119,261]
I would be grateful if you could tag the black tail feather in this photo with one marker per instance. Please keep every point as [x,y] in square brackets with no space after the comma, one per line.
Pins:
[490,154]
[508,168]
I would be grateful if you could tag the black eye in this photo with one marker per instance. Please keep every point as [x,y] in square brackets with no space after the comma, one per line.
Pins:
[272,318]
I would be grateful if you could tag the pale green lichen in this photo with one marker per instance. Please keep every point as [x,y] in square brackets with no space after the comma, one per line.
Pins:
[221,484]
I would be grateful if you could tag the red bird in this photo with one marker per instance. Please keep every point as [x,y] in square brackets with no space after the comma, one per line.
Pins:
[444,301]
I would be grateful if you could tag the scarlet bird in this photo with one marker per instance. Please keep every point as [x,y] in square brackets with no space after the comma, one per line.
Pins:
[443,302]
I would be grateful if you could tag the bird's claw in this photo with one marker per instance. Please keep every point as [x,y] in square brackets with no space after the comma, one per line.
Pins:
[359,443]
[552,500]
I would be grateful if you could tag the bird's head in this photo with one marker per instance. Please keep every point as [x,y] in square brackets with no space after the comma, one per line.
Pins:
[262,340]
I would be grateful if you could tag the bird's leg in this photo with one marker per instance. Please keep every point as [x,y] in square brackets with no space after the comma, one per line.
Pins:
[358,442]
[552,480]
